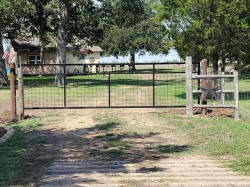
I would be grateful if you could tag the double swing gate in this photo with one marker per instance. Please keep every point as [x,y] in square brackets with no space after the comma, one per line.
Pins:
[62,86]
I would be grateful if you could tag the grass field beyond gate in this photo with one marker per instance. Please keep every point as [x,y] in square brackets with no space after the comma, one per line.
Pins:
[93,90]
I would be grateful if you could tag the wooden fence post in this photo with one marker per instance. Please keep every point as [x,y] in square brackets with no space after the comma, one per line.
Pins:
[204,64]
[13,90]
[20,92]
[236,95]
[189,86]
[222,89]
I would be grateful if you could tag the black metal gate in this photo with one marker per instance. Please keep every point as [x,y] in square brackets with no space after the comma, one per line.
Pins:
[151,85]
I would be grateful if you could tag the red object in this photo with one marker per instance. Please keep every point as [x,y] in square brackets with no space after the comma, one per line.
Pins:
[2,132]
[9,55]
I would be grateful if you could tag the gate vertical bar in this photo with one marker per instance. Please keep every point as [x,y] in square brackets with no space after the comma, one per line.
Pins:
[153,84]
[189,86]
[64,86]
[109,90]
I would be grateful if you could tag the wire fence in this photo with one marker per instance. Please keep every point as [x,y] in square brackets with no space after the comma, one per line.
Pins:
[114,85]
[105,85]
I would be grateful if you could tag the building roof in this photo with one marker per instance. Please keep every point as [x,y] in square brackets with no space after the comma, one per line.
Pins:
[33,44]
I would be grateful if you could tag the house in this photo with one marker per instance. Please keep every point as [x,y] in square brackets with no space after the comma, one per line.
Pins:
[28,52]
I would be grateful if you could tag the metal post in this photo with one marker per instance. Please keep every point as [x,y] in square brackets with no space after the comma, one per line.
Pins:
[64,86]
[189,86]
[109,90]
[153,84]
[236,94]
[13,90]
[204,84]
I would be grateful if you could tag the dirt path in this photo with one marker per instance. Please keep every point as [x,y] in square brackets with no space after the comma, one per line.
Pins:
[134,150]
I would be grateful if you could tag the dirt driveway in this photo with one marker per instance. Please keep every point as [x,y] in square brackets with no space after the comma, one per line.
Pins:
[131,148]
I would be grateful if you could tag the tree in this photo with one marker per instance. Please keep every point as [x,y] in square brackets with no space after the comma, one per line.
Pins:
[210,28]
[78,20]
[10,24]
[132,29]
[67,20]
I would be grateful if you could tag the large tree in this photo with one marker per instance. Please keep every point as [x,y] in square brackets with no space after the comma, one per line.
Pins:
[78,21]
[132,28]
[210,29]
[10,24]
[63,21]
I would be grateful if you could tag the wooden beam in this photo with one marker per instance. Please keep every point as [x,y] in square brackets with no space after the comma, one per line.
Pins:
[211,76]
[214,106]
[219,91]
[189,86]
[236,94]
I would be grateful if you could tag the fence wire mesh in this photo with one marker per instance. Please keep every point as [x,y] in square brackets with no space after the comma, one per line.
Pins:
[92,86]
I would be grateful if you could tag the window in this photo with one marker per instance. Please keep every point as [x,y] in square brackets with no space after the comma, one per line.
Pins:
[81,56]
[92,59]
[34,59]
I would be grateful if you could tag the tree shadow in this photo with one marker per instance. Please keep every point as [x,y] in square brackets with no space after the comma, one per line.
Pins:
[90,148]
[117,80]
[4,88]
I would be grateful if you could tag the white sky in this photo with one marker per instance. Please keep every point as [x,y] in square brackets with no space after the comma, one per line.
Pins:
[172,56]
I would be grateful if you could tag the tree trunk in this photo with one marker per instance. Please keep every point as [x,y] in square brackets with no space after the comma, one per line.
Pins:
[223,65]
[42,53]
[3,74]
[61,46]
[216,70]
[132,62]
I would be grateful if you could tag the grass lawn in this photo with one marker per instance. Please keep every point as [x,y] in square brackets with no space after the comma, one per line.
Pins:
[221,138]
[93,90]
[18,157]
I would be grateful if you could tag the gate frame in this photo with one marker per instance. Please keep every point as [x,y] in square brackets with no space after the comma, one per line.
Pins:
[21,82]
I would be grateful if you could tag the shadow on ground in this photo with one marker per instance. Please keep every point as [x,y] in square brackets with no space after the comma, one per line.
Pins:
[97,144]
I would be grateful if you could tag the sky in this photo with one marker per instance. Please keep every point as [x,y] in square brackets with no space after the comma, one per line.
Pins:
[147,57]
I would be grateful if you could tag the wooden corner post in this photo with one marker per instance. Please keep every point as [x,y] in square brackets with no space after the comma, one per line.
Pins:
[189,86]
[20,92]
[236,94]
[204,65]
[13,90]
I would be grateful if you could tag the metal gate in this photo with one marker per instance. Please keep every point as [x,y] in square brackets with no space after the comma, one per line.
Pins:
[151,85]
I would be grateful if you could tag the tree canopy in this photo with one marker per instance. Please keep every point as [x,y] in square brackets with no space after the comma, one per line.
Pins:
[132,28]
[210,29]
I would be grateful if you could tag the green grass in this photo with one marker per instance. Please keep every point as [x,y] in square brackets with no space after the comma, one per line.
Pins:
[219,137]
[15,167]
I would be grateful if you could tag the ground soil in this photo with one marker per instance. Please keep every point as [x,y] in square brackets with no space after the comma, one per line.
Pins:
[5,117]
[2,132]
[80,156]
[215,112]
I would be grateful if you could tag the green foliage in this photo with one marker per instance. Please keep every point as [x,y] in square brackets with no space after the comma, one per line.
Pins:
[132,28]
[210,29]
[42,19]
